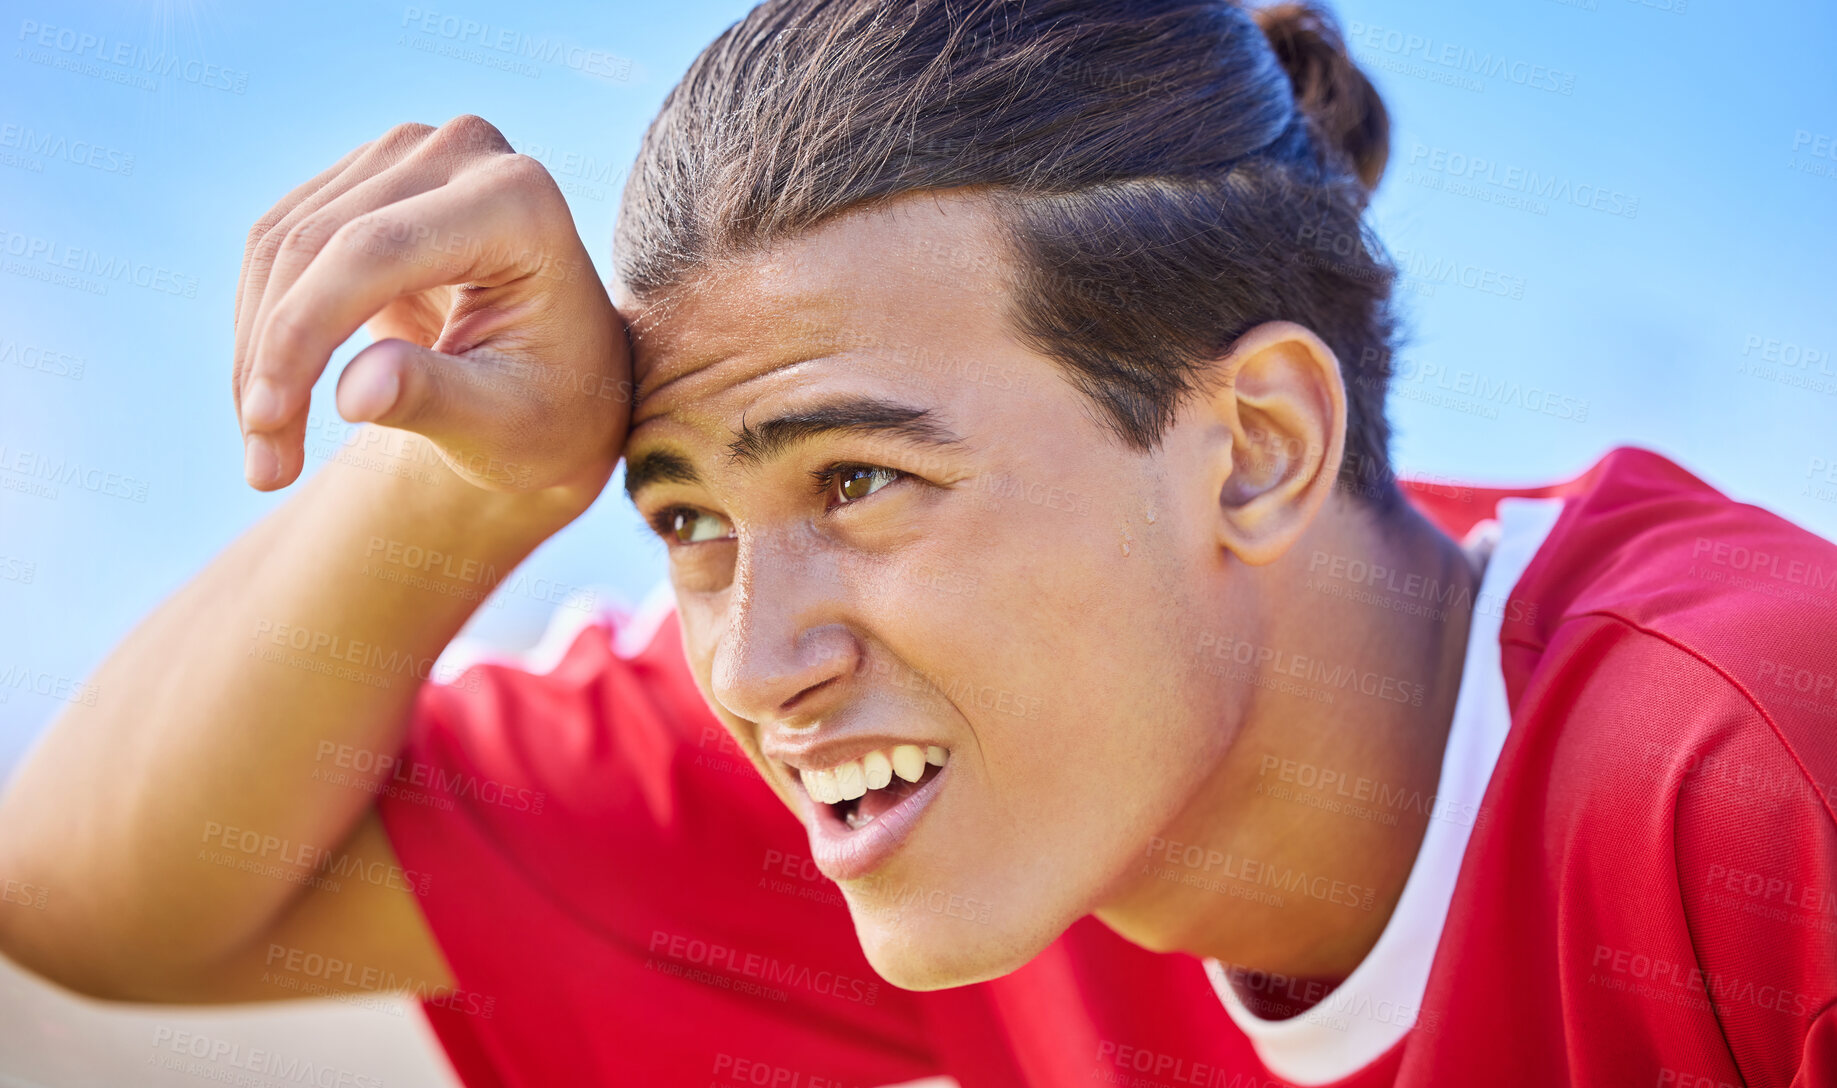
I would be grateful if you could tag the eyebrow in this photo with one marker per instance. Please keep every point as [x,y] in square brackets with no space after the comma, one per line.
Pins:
[756,443]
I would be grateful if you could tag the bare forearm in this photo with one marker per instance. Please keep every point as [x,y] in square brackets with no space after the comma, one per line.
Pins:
[243,720]
[234,736]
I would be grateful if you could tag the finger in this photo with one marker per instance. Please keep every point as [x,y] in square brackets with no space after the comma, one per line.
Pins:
[304,240]
[409,160]
[281,209]
[259,254]
[265,465]
[467,406]
[398,250]
[432,156]
[447,398]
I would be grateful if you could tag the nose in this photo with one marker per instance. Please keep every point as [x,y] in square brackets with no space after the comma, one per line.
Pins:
[784,653]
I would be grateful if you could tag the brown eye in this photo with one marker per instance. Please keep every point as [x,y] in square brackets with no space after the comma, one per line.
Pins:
[686,525]
[860,481]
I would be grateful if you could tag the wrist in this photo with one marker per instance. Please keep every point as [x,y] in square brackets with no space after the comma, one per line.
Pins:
[412,484]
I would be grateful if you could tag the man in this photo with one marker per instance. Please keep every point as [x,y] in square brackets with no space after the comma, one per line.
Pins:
[1033,540]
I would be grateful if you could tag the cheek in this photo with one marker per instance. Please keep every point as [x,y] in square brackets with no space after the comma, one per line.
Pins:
[701,570]
[701,618]
[1117,730]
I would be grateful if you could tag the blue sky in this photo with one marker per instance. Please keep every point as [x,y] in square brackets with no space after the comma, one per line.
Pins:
[1615,217]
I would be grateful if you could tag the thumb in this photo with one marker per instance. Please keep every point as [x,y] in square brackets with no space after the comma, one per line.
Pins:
[397,383]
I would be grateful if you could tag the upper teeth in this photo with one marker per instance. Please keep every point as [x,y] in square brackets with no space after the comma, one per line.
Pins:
[850,780]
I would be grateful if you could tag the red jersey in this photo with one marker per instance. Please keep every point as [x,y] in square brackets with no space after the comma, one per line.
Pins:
[1647,895]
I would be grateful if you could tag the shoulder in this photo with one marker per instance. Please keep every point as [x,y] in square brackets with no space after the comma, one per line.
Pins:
[1683,625]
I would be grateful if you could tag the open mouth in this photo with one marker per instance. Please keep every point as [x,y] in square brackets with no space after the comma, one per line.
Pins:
[862,790]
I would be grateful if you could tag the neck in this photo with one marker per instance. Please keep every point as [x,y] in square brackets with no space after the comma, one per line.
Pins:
[1311,823]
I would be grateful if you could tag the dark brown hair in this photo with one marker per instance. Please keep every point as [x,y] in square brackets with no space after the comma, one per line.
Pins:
[1169,174]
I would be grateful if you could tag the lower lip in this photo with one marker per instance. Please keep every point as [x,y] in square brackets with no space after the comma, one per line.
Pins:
[841,854]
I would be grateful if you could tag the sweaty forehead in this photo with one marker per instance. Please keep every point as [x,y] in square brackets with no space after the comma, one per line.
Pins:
[906,278]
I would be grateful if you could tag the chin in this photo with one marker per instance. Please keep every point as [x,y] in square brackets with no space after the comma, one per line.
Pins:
[918,949]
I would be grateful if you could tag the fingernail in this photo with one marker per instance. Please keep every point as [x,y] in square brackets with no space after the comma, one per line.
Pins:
[261,406]
[260,466]
[369,393]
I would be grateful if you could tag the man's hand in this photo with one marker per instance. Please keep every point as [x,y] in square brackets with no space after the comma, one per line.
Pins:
[500,350]
[496,340]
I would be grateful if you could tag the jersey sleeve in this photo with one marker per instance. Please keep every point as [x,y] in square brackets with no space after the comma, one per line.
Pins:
[1818,1065]
[619,896]
[1757,869]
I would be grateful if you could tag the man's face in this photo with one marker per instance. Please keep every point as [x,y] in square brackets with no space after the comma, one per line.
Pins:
[891,524]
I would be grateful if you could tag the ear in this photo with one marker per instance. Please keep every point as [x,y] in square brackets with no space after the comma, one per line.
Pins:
[1276,403]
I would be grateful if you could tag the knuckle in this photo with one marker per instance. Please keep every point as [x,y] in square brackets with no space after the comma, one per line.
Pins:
[262,257]
[258,232]
[376,235]
[471,133]
[265,236]
[521,169]
[284,336]
[304,239]
[531,189]
[403,137]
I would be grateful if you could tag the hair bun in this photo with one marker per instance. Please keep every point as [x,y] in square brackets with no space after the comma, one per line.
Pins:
[1339,101]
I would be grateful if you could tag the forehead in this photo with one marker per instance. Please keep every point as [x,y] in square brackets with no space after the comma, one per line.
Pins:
[920,279]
